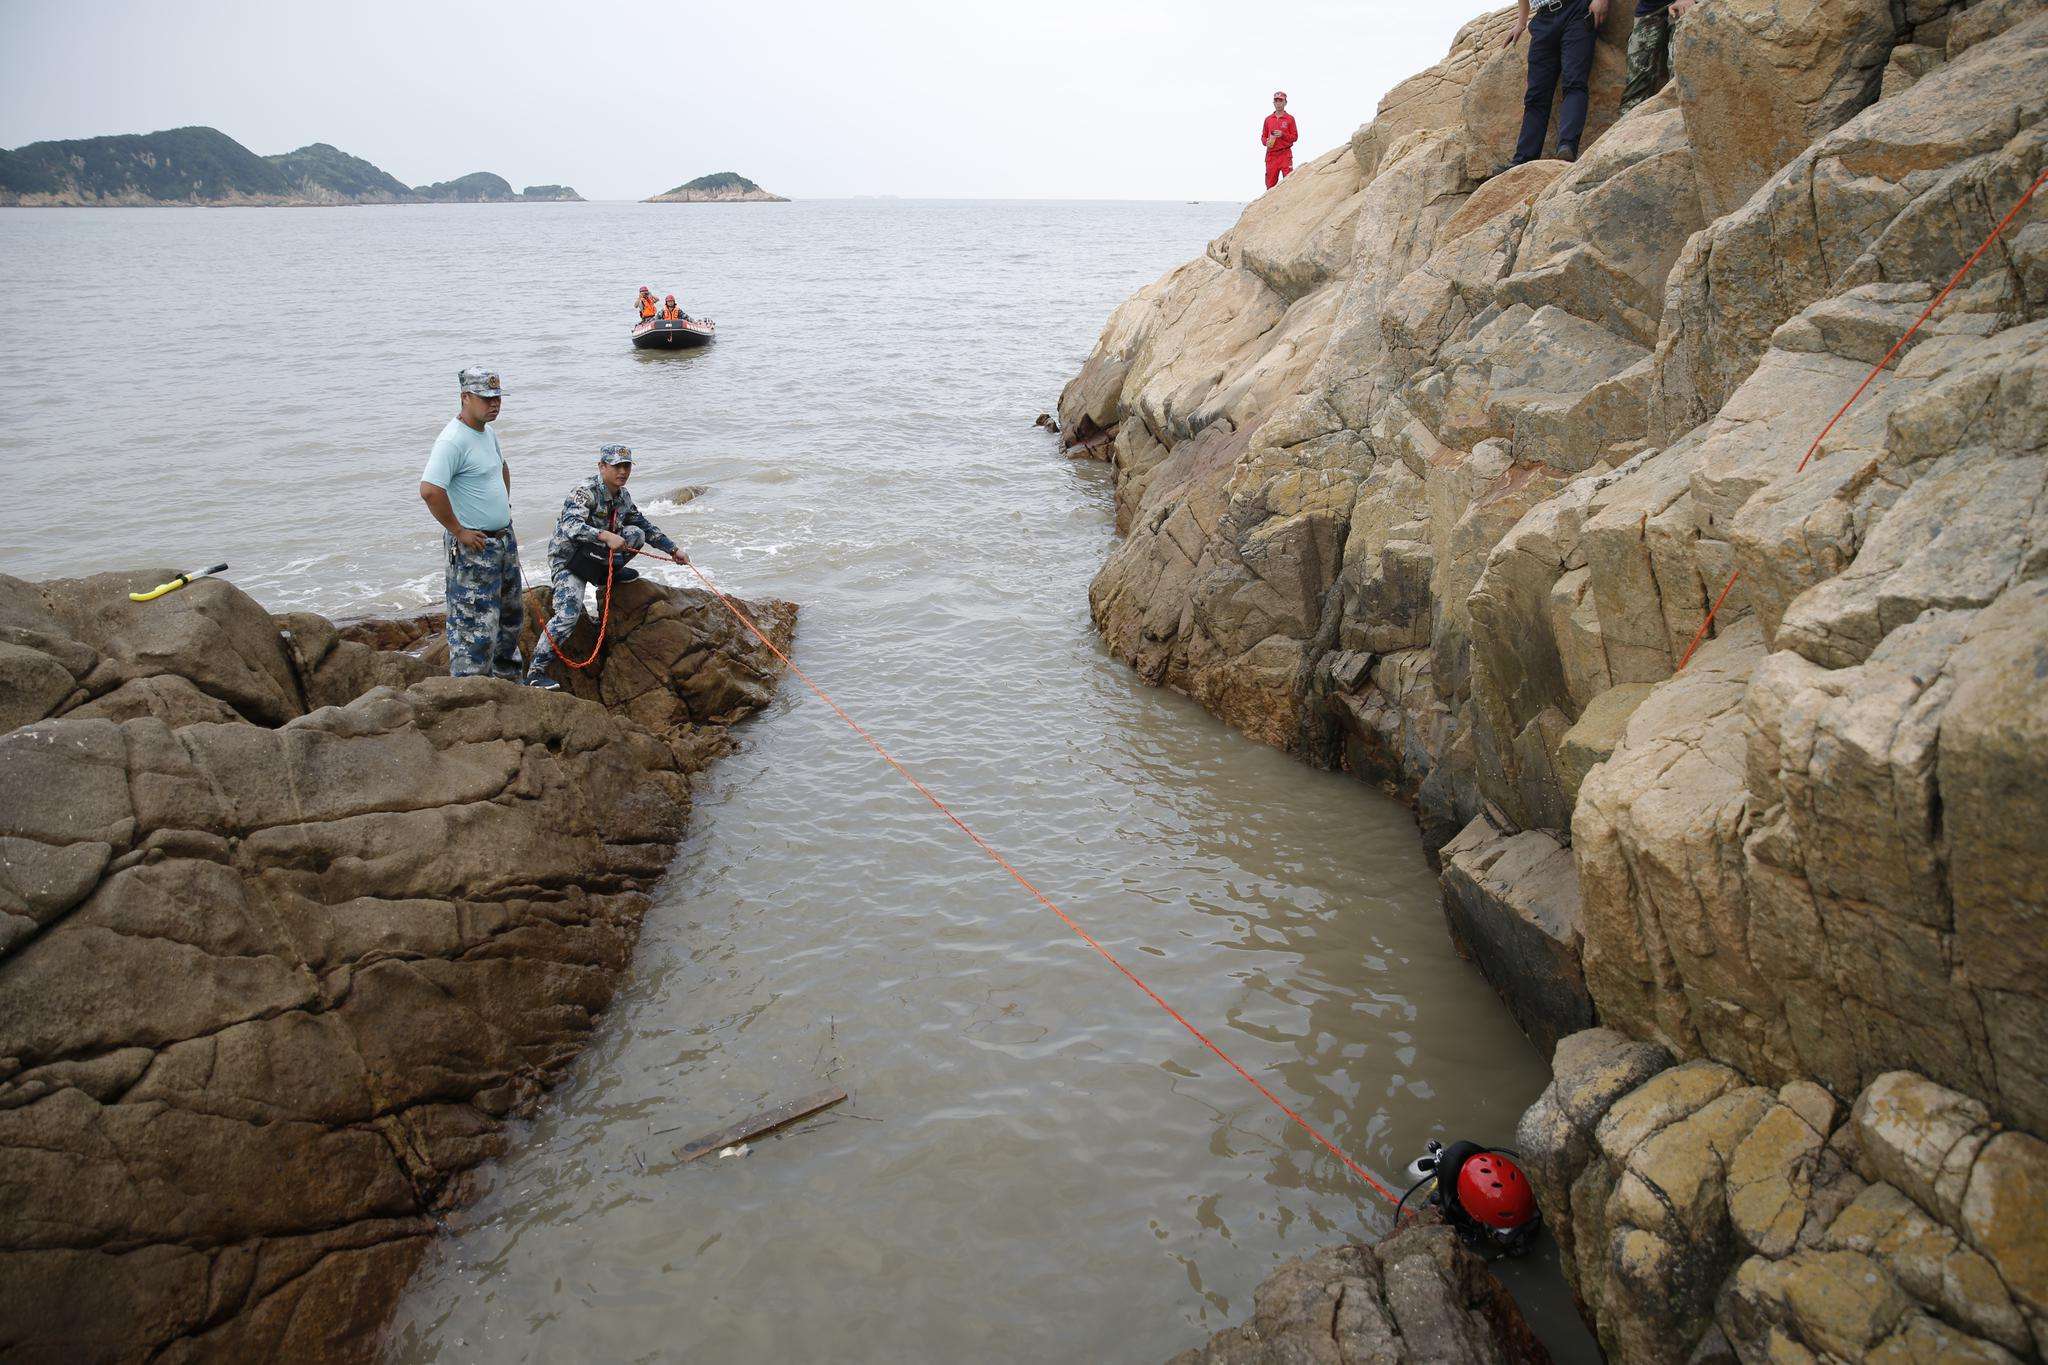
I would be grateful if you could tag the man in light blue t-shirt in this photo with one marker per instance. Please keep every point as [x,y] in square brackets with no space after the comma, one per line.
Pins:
[468,487]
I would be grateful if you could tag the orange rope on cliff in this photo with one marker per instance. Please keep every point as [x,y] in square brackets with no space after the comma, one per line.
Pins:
[1023,881]
[1875,370]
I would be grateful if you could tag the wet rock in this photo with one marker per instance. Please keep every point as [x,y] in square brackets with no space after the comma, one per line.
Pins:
[1708,1218]
[1590,1070]
[1512,902]
[1418,1296]
[373,926]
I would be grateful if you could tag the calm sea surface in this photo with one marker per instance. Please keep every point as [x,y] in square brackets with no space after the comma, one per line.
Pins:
[1036,1163]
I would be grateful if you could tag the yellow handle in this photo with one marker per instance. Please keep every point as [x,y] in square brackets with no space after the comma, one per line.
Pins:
[176,583]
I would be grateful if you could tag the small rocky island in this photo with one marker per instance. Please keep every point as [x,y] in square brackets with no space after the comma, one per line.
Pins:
[187,166]
[720,187]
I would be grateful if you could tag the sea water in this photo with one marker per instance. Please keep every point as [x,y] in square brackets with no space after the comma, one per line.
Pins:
[1035,1162]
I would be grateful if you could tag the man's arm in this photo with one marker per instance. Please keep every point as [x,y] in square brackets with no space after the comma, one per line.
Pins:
[1521,21]
[436,499]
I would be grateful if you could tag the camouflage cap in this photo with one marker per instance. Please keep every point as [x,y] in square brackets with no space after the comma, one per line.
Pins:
[481,381]
[615,455]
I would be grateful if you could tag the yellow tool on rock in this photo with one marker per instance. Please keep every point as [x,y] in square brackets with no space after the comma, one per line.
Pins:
[176,583]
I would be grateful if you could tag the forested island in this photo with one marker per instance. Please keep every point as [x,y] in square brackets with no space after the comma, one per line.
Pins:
[720,187]
[206,166]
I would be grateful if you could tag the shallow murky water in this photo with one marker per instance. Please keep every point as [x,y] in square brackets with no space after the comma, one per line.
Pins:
[1035,1163]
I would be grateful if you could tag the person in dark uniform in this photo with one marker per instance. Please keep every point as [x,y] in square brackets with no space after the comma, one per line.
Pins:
[1561,34]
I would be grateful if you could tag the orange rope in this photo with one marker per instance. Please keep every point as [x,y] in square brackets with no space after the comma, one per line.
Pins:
[604,619]
[1024,882]
[1875,370]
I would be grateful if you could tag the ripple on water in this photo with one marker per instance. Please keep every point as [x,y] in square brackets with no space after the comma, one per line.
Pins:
[1035,1161]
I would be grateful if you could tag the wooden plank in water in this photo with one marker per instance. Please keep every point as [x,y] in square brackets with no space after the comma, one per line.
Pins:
[765,1122]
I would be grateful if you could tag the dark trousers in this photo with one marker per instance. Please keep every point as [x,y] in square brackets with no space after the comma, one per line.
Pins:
[1560,42]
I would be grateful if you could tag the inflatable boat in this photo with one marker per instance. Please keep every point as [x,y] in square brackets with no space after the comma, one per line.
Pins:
[658,335]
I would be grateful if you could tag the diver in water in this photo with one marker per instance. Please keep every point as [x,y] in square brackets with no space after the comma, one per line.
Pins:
[1480,1192]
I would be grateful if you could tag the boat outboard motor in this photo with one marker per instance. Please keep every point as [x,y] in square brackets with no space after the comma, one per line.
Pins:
[1482,1193]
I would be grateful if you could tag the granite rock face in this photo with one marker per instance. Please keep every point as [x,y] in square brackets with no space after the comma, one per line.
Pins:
[1418,1296]
[1706,1217]
[1448,505]
[288,924]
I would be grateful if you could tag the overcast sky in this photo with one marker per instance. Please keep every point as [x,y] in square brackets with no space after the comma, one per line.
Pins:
[1088,99]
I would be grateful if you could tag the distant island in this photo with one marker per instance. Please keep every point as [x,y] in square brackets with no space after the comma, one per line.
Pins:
[720,187]
[206,166]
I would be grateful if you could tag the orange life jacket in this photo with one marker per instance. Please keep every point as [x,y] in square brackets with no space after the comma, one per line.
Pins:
[647,306]
[671,312]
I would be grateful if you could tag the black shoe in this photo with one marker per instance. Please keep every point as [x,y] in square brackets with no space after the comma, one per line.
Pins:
[1567,152]
[543,682]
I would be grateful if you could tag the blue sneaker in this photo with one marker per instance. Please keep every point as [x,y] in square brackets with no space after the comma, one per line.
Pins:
[543,682]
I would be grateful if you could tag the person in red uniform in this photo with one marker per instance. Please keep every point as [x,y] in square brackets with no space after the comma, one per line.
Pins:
[1279,135]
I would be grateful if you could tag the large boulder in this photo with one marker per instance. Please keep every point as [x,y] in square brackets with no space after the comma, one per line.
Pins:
[1418,1296]
[373,926]
[1512,902]
[1705,1218]
[1759,82]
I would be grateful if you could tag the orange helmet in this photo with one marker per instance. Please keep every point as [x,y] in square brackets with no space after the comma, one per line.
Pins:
[670,299]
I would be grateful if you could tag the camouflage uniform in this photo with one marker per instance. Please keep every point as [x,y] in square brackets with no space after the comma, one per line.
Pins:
[484,608]
[589,508]
[1649,58]
[484,586]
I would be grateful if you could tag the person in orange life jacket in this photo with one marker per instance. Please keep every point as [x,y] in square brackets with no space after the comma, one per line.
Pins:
[1560,42]
[645,303]
[1279,135]
[669,311]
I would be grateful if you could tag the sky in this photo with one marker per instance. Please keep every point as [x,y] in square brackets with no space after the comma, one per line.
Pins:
[1061,99]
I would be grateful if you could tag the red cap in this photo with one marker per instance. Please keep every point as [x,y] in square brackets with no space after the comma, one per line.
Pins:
[1279,94]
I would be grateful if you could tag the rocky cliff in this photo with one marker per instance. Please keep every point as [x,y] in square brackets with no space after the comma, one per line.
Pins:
[289,923]
[1433,470]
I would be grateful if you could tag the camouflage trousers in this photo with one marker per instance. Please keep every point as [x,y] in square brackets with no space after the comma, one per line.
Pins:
[1649,59]
[484,610]
[568,611]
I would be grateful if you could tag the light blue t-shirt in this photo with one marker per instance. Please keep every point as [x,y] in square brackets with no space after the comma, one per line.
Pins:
[470,466]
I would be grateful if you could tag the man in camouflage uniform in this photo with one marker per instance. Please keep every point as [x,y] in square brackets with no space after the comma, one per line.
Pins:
[1649,49]
[598,511]
[468,487]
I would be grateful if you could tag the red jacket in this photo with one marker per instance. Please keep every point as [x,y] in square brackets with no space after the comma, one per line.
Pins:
[1283,124]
